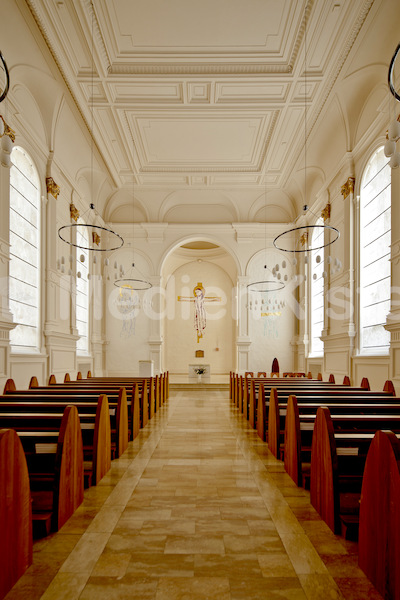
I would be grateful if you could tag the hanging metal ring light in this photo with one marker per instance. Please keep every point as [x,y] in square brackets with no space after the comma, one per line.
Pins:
[132,283]
[390,74]
[117,243]
[276,286]
[304,229]
[7,85]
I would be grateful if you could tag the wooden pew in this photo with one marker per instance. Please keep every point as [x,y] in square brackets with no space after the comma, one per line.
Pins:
[95,429]
[15,511]
[55,465]
[326,394]
[336,473]
[379,532]
[147,390]
[98,457]
[299,423]
[280,383]
[122,420]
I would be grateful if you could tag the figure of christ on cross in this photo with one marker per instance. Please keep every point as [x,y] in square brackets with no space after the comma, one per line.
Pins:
[199,298]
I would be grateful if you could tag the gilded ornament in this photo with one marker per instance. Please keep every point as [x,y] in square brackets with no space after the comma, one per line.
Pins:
[96,238]
[52,187]
[326,213]
[304,238]
[348,187]
[74,212]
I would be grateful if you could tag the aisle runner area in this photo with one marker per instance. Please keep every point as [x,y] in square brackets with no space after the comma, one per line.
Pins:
[195,509]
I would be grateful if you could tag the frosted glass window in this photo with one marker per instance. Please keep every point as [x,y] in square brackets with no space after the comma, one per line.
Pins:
[82,292]
[317,291]
[24,251]
[375,240]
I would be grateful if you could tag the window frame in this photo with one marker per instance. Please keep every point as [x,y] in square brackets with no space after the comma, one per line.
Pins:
[35,182]
[372,350]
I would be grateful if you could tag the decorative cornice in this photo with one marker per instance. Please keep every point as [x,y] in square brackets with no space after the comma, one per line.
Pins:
[200,69]
[52,187]
[301,33]
[348,188]
[97,32]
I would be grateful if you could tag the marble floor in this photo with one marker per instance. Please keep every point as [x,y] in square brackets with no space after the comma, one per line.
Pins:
[195,509]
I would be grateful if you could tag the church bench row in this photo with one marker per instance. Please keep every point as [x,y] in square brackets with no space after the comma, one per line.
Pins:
[36,425]
[37,494]
[156,387]
[267,401]
[38,447]
[339,446]
[340,486]
[245,396]
[123,422]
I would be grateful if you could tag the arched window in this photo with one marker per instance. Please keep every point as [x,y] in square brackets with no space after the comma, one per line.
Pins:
[375,240]
[82,292]
[317,291]
[24,265]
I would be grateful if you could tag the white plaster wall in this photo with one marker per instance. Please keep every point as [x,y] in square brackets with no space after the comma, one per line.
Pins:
[127,329]
[180,334]
[271,335]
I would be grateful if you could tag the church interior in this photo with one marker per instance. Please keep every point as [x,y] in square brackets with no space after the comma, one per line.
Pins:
[200,225]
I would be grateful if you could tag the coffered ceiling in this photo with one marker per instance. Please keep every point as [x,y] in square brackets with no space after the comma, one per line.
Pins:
[201,94]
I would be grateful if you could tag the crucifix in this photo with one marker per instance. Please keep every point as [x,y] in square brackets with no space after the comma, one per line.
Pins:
[199,298]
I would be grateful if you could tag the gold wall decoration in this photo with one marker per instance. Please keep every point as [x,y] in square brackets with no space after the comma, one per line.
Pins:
[8,131]
[326,213]
[52,187]
[304,238]
[199,353]
[96,238]
[348,187]
[74,212]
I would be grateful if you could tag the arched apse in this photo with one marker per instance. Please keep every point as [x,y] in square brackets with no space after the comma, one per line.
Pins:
[233,258]
[120,209]
[272,207]
[189,205]
[271,312]
[181,331]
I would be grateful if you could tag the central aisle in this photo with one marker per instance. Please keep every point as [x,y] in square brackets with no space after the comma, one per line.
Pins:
[195,509]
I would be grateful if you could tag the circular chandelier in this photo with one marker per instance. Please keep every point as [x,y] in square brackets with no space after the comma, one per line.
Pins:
[296,239]
[393,132]
[390,74]
[131,282]
[93,235]
[4,92]
[267,285]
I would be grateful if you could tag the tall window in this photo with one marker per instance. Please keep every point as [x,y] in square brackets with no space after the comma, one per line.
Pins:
[24,251]
[82,292]
[375,240]
[317,290]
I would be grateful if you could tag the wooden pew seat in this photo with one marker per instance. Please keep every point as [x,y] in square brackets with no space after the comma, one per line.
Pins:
[15,511]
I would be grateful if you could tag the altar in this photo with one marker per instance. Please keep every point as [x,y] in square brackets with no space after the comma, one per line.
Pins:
[193,376]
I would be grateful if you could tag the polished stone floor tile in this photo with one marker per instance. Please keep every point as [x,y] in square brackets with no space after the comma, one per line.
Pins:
[195,509]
